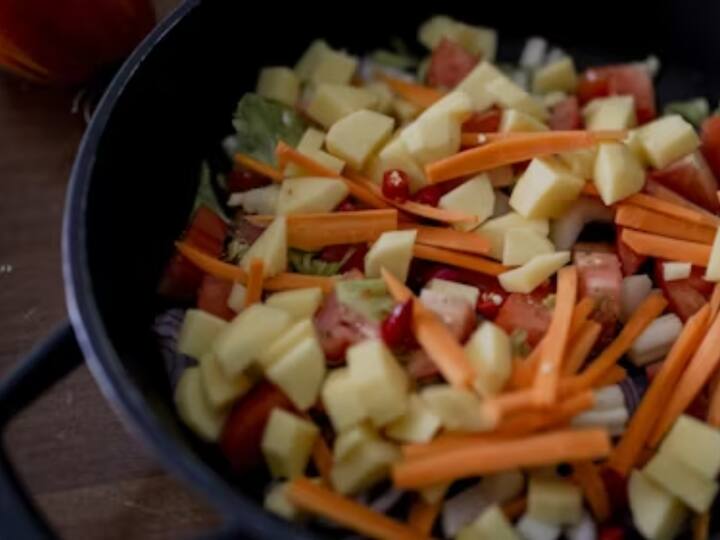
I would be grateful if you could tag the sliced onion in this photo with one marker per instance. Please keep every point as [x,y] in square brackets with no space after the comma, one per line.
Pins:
[634,290]
[533,54]
[656,340]
[533,529]
[555,54]
[566,229]
[585,530]
[609,397]
[257,201]
[605,418]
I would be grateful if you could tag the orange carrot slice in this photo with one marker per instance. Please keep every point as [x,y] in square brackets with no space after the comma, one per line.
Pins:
[586,474]
[461,260]
[672,209]
[322,459]
[253,294]
[417,94]
[321,501]
[645,220]
[259,167]
[446,238]
[580,346]
[289,280]
[626,454]
[715,301]
[423,515]
[667,248]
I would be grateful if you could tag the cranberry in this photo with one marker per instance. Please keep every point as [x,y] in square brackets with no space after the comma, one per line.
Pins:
[396,185]
[243,180]
[488,304]
[396,329]
[356,261]
[346,206]
[429,195]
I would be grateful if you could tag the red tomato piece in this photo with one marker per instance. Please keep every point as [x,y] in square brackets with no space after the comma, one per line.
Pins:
[396,185]
[692,178]
[566,115]
[457,314]
[600,278]
[338,327]
[449,64]
[685,296]
[213,296]
[483,122]
[244,427]
[592,84]
[624,79]
[630,260]
[611,533]
[616,486]
[429,195]
[711,143]
[396,329]
[239,180]
[523,312]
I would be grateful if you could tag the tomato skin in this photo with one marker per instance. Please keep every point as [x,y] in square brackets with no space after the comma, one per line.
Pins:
[623,79]
[450,63]
[396,185]
[566,115]
[691,178]
[483,122]
[630,260]
[239,180]
[396,329]
[593,83]
[711,143]
[523,312]
[685,296]
[244,427]
[213,296]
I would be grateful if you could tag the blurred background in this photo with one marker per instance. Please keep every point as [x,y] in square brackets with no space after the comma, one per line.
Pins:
[92,479]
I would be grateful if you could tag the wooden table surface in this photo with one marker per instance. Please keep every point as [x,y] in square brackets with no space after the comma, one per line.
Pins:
[92,479]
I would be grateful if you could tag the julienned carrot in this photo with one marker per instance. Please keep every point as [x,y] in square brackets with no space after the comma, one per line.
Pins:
[580,346]
[696,375]
[625,455]
[324,502]
[671,209]
[667,248]
[434,337]
[715,301]
[514,150]
[591,483]
[259,167]
[253,294]
[612,376]
[515,508]
[485,458]
[656,189]
[231,272]
[423,515]
[322,459]
[645,220]
[444,237]
[471,139]
[556,338]
[461,260]
[417,94]
[312,232]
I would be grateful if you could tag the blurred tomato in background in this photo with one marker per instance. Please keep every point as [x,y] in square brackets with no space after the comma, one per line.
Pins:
[63,42]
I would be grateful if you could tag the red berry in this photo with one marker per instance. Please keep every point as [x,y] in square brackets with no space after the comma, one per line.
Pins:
[346,206]
[396,185]
[429,195]
[356,261]
[243,180]
[396,329]
[488,304]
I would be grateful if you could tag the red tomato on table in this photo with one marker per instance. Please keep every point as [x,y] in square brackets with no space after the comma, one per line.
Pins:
[691,178]
[449,64]
[711,143]
[620,80]
[566,115]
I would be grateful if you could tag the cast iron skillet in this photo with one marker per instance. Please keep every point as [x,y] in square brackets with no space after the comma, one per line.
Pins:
[136,173]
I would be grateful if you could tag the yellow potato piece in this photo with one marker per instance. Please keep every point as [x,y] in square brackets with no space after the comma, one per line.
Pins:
[545,190]
[279,84]
[618,173]
[287,443]
[668,139]
[392,251]
[356,137]
[528,276]
[195,408]
[198,331]
[557,76]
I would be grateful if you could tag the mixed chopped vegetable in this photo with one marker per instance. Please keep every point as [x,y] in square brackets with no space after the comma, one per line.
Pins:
[457,299]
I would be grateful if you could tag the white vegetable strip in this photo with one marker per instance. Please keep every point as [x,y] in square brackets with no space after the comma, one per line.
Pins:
[532,529]
[608,397]
[656,340]
[567,228]
[634,290]
[533,54]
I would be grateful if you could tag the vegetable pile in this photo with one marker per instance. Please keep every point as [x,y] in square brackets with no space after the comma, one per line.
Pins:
[461,300]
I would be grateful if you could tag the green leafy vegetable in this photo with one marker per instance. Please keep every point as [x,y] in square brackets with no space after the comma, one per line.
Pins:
[394,60]
[261,123]
[694,111]
[305,262]
[206,195]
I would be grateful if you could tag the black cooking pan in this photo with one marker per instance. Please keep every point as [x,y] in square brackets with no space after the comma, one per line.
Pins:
[136,174]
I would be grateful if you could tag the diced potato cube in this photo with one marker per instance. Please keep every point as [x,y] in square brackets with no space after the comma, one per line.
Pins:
[392,251]
[672,271]
[277,502]
[554,501]
[220,389]
[312,139]
[618,173]
[300,373]
[418,425]
[384,94]
[456,105]
[453,288]
[556,76]
[695,443]
[331,102]
[511,96]
[198,331]
[299,303]
[310,195]
[458,409]
[247,336]
[195,408]
[490,354]
[395,155]
[432,138]
[262,200]
[475,85]
[286,342]
[380,381]
[657,514]
[357,136]
[236,299]
[490,525]
[477,40]
[280,84]
[545,190]
[287,443]
[580,162]
[310,58]
[342,400]
[681,480]
[432,31]
[496,229]
[333,67]
[712,272]
[270,247]
[609,113]
[528,276]
[554,98]
[667,139]
[513,120]
[523,244]
[475,197]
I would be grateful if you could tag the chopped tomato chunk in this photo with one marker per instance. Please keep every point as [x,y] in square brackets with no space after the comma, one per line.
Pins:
[338,327]
[630,260]
[685,296]
[711,143]
[524,312]
[449,64]
[692,178]
[213,296]
[566,115]
[621,80]
[483,122]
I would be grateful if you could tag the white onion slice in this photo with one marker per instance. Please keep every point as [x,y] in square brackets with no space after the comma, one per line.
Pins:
[656,340]
[566,229]
[608,417]
[533,54]
[634,290]
[608,397]
[532,529]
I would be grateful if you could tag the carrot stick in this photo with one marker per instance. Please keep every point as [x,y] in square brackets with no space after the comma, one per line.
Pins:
[513,150]
[672,209]
[259,167]
[446,238]
[473,138]
[423,515]
[645,220]
[515,508]
[321,501]
[417,94]
[626,454]
[461,260]
[612,376]
[667,248]
[580,346]
[312,232]
[556,338]
[656,189]
[701,526]
[591,483]
[322,459]
[434,337]
[290,280]
[715,301]
[254,282]
[701,367]
[485,458]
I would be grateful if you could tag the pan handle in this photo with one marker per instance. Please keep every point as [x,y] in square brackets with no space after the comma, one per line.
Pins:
[46,364]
